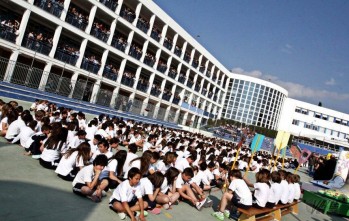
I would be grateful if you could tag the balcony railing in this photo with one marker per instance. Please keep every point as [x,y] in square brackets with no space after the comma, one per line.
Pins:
[119,44]
[100,34]
[111,4]
[38,46]
[155,36]
[181,79]
[90,66]
[74,20]
[8,33]
[166,97]
[142,87]
[110,74]
[178,52]
[128,15]
[155,92]
[172,74]
[52,7]
[190,84]
[168,45]
[66,56]
[142,26]
[162,68]
[127,81]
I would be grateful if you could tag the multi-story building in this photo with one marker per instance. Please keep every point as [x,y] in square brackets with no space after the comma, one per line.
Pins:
[112,53]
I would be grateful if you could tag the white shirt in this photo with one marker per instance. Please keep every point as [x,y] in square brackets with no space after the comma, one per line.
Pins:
[201,177]
[90,132]
[291,192]
[165,186]
[262,192]
[147,146]
[129,157]
[94,147]
[242,164]
[162,167]
[24,135]
[103,133]
[125,192]
[285,191]
[111,167]
[209,175]
[14,128]
[241,189]
[109,154]
[276,191]
[136,163]
[146,186]
[180,182]
[181,164]
[297,191]
[85,175]
[66,165]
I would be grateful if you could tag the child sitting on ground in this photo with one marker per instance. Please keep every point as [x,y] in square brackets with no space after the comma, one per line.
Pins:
[127,197]
[86,182]
[238,194]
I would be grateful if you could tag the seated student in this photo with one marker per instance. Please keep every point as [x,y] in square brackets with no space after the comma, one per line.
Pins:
[291,187]
[113,171]
[275,189]
[150,187]
[26,133]
[127,197]
[131,155]
[103,148]
[154,161]
[114,144]
[168,161]
[183,187]
[284,187]
[220,175]
[238,194]
[79,138]
[182,163]
[297,187]
[200,178]
[53,148]
[94,143]
[86,182]
[261,189]
[168,194]
[33,144]
[209,174]
[72,161]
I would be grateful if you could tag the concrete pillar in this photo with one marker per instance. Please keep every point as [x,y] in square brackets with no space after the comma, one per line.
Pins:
[192,53]
[118,9]
[184,118]
[178,111]
[95,91]
[137,75]
[163,35]
[45,76]
[168,63]
[55,40]
[103,61]
[144,50]
[178,71]
[23,27]
[82,53]
[167,113]
[112,31]
[74,79]
[151,81]
[91,17]
[65,9]
[137,12]
[121,71]
[11,66]
[174,41]
[184,48]
[114,95]
[129,42]
[151,24]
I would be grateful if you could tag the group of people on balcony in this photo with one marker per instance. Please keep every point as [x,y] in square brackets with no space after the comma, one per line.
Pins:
[111,72]
[178,51]
[162,66]
[54,7]
[167,94]
[135,51]
[156,34]
[120,43]
[128,14]
[77,18]
[143,84]
[143,24]
[176,98]
[168,43]
[9,29]
[173,72]
[100,31]
[155,89]
[149,59]
[91,63]
[67,53]
[39,41]
[128,78]
[111,4]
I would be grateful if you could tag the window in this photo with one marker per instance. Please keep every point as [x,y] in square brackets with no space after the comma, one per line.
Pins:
[317,115]
[298,110]
[295,122]
[305,112]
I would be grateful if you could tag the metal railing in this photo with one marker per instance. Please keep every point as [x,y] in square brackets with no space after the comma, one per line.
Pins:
[8,33]
[37,45]
[74,20]
[52,7]
[111,4]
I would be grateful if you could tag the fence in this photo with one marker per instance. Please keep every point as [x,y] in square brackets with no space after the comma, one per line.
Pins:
[32,77]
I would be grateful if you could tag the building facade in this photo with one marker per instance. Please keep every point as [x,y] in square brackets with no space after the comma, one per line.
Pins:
[128,55]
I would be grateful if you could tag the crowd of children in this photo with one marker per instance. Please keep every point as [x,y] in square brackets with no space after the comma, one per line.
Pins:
[175,164]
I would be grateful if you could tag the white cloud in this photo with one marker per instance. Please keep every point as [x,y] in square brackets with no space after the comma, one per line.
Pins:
[331,82]
[287,48]
[296,90]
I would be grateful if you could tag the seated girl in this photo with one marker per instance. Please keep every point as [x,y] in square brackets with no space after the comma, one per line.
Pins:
[168,194]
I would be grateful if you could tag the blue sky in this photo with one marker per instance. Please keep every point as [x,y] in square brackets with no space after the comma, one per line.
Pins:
[302,45]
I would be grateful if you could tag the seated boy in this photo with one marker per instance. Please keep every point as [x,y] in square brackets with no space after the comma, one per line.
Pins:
[183,187]
[86,182]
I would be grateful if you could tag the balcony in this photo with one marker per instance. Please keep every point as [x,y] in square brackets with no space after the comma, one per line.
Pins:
[155,35]
[90,65]
[110,73]
[155,91]
[101,35]
[77,21]
[166,96]
[67,56]
[128,81]
[190,84]
[142,86]
[162,68]
[178,51]
[168,44]
[128,15]
[37,45]
[172,74]
[51,7]
[143,25]
[119,44]
[197,88]
[135,52]
[181,79]
[186,58]
[111,4]
[8,33]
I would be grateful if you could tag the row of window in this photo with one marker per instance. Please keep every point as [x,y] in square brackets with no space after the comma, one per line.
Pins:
[320,129]
[322,116]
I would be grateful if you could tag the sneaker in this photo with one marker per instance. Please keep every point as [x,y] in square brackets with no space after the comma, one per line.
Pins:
[36,156]
[122,216]
[218,215]
[166,206]
[200,204]
[226,213]
[209,203]
[139,213]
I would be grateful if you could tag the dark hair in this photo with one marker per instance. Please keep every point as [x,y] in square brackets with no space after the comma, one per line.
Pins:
[145,161]
[133,172]
[132,148]
[169,158]
[211,165]
[104,143]
[114,140]
[188,171]
[120,157]
[203,166]
[84,150]
[156,179]
[57,139]
[275,177]
[98,137]
[32,124]
[171,174]
[156,155]
[235,173]
[46,127]
[263,176]
[100,160]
